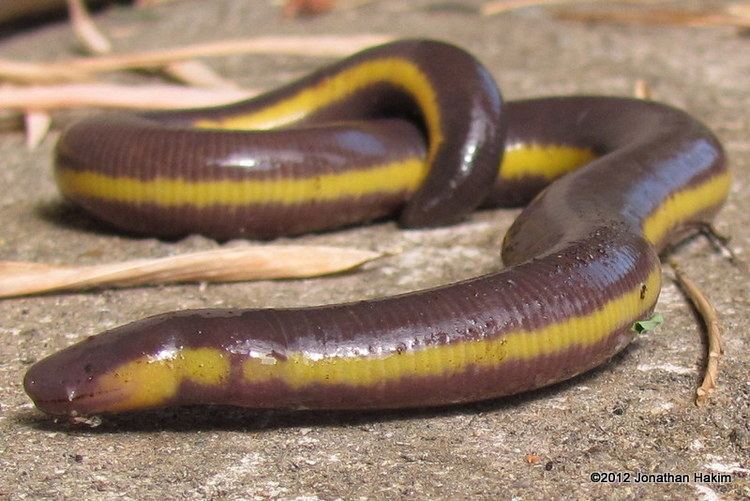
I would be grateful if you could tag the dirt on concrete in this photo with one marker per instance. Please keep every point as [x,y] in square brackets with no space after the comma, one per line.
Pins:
[634,414]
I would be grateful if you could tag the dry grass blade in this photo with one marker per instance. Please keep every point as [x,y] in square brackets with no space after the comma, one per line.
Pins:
[37,124]
[39,73]
[661,17]
[737,14]
[501,6]
[642,89]
[197,74]
[84,68]
[86,31]
[713,332]
[232,264]
[115,96]
[320,46]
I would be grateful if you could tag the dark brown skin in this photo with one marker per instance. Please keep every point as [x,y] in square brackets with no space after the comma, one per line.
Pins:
[582,268]
[461,172]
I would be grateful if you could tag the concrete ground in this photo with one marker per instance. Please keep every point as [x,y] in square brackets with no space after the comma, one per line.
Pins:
[633,414]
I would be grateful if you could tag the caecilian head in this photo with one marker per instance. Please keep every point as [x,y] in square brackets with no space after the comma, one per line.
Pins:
[137,366]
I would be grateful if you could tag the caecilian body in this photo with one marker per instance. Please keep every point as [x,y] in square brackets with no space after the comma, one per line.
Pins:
[390,129]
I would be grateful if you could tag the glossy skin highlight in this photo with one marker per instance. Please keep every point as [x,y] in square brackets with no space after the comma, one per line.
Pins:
[582,258]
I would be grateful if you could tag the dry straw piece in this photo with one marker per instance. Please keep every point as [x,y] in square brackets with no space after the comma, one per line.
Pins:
[496,7]
[735,15]
[710,319]
[229,264]
[85,67]
[37,123]
[101,95]
[85,30]
[642,89]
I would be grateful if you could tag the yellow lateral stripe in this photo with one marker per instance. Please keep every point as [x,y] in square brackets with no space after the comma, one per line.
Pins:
[396,71]
[297,371]
[397,177]
[402,176]
[684,204]
[546,161]
[148,382]
[143,383]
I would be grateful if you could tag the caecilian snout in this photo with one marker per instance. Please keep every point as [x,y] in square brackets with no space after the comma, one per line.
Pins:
[57,382]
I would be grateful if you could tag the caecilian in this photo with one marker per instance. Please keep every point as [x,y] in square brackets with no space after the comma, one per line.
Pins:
[414,128]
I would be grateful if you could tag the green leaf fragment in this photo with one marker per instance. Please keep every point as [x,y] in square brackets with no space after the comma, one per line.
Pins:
[648,325]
